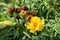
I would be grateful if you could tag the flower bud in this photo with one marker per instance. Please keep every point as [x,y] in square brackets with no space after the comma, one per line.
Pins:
[9,23]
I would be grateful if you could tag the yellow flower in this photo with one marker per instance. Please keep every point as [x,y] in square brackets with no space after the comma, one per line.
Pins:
[36,24]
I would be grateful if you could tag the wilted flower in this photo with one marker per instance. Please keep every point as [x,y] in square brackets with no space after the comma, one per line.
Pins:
[33,12]
[17,10]
[28,18]
[36,24]
[11,9]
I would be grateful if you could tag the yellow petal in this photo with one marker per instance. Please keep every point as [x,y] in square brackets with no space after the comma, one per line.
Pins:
[29,26]
[32,30]
[37,27]
[42,22]
[40,28]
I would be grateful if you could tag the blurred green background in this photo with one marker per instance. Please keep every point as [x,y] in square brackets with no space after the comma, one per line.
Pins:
[49,10]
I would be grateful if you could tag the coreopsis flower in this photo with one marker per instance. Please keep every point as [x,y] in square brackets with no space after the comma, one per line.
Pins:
[35,24]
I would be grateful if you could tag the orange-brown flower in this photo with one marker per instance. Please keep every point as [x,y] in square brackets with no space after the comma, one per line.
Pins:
[24,13]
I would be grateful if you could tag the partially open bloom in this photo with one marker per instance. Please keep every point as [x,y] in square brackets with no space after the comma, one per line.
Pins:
[23,13]
[35,24]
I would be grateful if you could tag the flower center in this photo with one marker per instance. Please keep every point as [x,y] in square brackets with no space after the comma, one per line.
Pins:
[35,24]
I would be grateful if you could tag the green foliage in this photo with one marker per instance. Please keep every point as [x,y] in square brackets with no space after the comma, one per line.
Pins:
[49,10]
